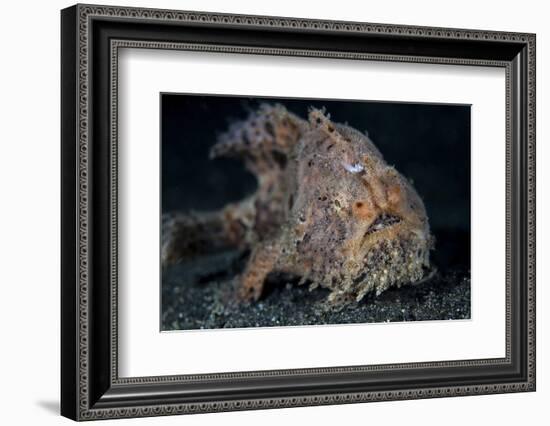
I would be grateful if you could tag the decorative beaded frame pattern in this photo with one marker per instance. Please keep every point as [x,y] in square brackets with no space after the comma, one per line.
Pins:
[85,14]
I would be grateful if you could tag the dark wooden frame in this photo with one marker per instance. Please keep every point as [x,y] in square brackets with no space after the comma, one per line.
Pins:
[90,386]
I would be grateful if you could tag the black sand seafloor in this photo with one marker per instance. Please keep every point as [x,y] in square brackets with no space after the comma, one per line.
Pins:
[430,144]
[200,294]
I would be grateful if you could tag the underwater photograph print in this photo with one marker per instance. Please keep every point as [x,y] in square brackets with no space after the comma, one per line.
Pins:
[296,212]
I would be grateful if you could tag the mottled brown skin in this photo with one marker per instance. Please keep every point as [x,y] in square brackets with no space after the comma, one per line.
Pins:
[328,209]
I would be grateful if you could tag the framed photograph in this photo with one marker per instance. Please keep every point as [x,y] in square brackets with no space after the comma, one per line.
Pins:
[263,212]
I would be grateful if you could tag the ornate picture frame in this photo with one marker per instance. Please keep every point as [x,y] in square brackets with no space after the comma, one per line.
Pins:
[91,37]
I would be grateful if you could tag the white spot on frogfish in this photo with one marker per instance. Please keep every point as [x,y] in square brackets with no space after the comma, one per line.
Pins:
[353,168]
